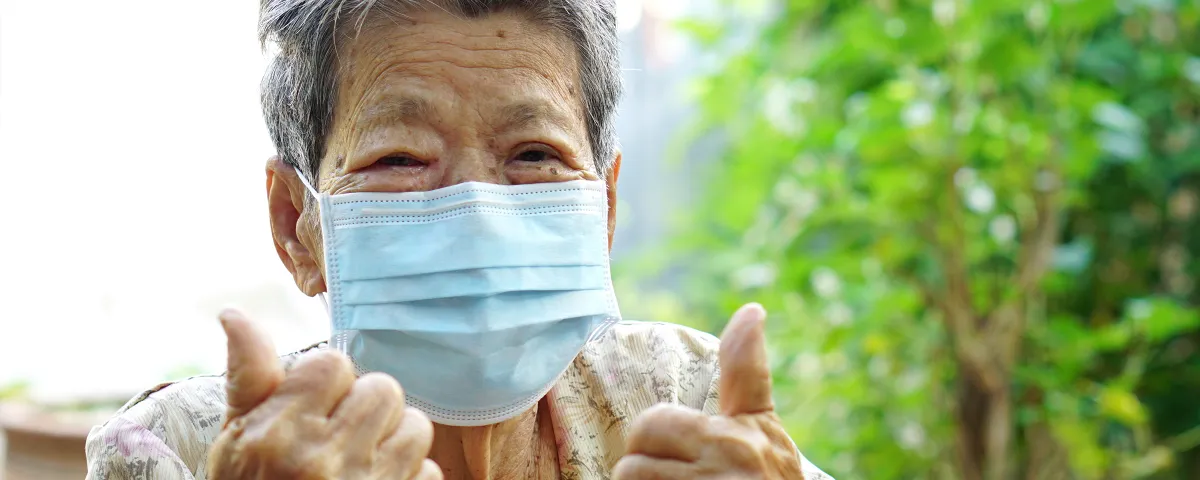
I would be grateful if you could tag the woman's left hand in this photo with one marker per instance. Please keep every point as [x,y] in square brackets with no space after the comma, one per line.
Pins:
[746,441]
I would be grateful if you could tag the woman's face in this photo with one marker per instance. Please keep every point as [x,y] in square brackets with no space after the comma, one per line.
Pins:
[433,100]
[441,100]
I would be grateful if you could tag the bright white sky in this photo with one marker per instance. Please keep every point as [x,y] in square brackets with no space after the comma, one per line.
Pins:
[133,151]
[133,148]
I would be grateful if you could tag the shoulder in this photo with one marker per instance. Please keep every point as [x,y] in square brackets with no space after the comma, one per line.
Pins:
[660,341]
[660,336]
[163,432]
[676,364]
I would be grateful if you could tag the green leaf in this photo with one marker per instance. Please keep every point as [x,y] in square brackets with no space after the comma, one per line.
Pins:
[1122,406]
[18,390]
[707,33]
[1161,319]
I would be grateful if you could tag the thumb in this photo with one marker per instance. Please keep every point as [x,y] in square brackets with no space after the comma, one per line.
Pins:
[745,384]
[254,369]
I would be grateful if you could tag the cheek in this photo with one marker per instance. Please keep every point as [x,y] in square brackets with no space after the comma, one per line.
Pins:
[546,173]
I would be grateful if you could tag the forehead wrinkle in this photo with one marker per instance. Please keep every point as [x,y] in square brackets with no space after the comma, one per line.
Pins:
[538,44]
[372,58]
[398,54]
[386,41]
[560,105]
[396,109]
[408,61]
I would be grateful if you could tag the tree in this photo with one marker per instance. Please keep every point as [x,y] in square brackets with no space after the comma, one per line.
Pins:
[972,222]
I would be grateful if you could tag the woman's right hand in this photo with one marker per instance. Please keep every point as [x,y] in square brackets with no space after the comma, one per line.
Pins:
[317,421]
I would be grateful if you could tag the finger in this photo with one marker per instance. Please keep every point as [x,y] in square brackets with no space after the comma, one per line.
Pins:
[745,385]
[316,383]
[668,431]
[429,471]
[367,414]
[254,371]
[641,467]
[402,452]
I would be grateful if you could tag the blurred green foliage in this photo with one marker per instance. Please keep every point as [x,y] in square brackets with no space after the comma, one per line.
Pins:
[967,219]
[14,391]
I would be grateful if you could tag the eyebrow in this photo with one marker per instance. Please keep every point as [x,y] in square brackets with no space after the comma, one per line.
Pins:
[397,110]
[529,114]
[407,110]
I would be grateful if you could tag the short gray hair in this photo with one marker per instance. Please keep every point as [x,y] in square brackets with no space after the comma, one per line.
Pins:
[299,87]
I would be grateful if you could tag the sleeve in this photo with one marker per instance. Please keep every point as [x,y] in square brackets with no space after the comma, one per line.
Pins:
[125,450]
[162,434]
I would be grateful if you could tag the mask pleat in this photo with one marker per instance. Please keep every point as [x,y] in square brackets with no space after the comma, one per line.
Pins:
[471,314]
[478,241]
[473,283]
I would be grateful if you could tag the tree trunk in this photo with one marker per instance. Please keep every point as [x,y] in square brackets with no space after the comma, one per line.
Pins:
[987,350]
[984,430]
[987,344]
[1047,459]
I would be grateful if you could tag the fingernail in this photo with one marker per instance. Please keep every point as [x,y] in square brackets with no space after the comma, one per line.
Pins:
[755,310]
[228,314]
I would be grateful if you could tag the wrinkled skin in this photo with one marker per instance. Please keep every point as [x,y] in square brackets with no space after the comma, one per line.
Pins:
[433,101]
[315,422]
[747,441]
[426,102]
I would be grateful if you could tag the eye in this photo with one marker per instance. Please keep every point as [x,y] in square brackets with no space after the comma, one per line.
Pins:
[400,161]
[537,153]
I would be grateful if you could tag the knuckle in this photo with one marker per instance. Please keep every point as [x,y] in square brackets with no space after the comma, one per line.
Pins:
[742,449]
[429,471]
[664,416]
[639,467]
[381,385]
[654,416]
[268,442]
[264,453]
[419,426]
[414,434]
[275,444]
[418,419]
[326,362]
[625,468]
[662,410]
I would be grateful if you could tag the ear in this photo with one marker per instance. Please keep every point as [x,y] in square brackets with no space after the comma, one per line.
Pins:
[297,237]
[611,178]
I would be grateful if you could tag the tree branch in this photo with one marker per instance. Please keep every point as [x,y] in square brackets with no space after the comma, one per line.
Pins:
[1037,248]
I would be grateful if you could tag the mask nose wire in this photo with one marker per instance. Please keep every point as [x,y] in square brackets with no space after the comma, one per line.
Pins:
[322,296]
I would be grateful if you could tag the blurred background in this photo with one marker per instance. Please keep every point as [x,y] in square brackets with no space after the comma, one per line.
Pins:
[976,224]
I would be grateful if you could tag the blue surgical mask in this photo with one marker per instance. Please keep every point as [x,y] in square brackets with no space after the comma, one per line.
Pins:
[475,297]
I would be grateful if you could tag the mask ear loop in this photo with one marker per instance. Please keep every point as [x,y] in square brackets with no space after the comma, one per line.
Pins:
[316,196]
[313,191]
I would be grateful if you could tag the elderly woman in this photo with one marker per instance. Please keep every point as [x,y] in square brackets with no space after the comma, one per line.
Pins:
[446,179]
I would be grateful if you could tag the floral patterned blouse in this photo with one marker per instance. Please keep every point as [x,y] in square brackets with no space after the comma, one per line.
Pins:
[165,433]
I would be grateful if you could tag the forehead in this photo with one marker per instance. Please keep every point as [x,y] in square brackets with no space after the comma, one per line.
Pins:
[423,60]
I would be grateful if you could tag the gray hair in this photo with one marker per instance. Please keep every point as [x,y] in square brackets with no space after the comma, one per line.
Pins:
[299,86]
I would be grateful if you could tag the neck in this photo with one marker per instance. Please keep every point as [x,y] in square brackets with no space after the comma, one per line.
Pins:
[522,447]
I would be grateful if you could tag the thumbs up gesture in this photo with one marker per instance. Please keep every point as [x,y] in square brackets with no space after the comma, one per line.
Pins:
[746,440]
[316,421]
